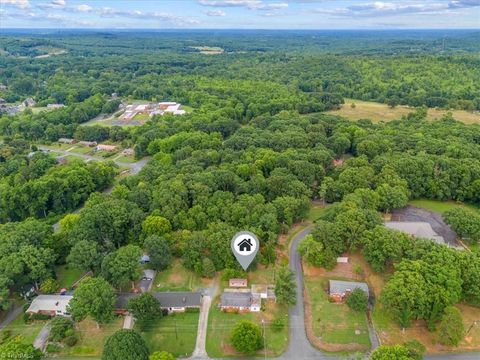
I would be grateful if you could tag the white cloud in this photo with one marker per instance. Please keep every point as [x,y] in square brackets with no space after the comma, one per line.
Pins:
[250,4]
[380,8]
[18,3]
[84,8]
[215,13]
[58,2]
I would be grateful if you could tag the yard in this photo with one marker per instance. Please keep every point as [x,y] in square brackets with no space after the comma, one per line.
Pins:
[175,333]
[27,332]
[67,276]
[381,112]
[79,149]
[335,326]
[92,339]
[221,324]
[178,278]
[316,210]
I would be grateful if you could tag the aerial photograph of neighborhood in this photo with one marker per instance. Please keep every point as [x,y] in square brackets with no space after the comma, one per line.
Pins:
[240,179]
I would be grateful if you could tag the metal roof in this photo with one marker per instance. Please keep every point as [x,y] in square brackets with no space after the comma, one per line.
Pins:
[418,229]
[341,287]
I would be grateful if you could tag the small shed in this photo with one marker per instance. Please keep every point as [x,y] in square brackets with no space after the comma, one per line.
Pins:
[238,283]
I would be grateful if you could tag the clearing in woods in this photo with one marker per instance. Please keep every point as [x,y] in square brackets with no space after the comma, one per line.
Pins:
[382,112]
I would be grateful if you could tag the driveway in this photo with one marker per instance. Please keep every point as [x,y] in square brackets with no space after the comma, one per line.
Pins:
[200,352]
[42,337]
[12,315]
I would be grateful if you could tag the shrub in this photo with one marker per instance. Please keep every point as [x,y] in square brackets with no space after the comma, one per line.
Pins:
[60,328]
[246,337]
[451,330]
[357,300]
[6,334]
[71,340]
[49,286]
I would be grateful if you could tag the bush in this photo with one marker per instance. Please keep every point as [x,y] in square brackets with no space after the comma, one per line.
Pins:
[40,317]
[357,300]
[53,348]
[60,328]
[451,330]
[71,340]
[6,334]
[192,310]
[246,337]
[49,286]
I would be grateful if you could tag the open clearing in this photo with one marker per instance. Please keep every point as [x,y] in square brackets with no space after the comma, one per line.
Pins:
[92,339]
[175,333]
[382,112]
[178,278]
[440,206]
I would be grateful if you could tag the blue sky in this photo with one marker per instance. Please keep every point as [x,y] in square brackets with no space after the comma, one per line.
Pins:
[240,14]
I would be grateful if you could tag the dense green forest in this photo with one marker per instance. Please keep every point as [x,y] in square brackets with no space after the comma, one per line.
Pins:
[253,153]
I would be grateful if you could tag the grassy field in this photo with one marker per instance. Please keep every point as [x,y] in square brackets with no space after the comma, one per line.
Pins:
[177,278]
[316,210]
[175,333]
[382,112]
[66,276]
[92,339]
[336,326]
[28,332]
[125,159]
[58,146]
[440,206]
[220,325]
[82,149]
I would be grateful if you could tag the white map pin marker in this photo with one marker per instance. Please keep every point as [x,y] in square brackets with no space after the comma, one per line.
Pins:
[245,246]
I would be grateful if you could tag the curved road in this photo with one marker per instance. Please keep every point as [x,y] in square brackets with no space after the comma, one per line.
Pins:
[299,347]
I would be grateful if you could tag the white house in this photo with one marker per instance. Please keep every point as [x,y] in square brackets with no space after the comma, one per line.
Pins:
[53,305]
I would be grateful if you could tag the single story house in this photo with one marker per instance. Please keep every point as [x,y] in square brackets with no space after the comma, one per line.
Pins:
[53,305]
[105,147]
[67,141]
[417,229]
[88,143]
[174,301]
[240,300]
[238,283]
[338,289]
[55,106]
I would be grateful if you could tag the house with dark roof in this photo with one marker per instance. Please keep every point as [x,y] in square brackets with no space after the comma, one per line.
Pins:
[172,301]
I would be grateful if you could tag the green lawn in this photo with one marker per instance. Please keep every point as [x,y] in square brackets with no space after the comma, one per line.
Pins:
[28,332]
[220,325]
[141,117]
[176,278]
[335,323]
[315,212]
[440,206]
[125,159]
[175,333]
[92,339]
[82,149]
[58,146]
[66,276]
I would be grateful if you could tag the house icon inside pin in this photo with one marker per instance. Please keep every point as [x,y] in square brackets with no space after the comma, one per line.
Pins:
[245,245]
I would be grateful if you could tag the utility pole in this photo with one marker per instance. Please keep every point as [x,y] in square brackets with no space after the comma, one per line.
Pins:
[264,339]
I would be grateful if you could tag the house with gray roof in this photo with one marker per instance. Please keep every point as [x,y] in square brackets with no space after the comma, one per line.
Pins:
[417,229]
[340,289]
[53,305]
[172,301]
[240,300]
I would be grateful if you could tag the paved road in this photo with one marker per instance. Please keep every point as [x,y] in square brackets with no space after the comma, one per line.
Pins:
[12,315]
[299,347]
